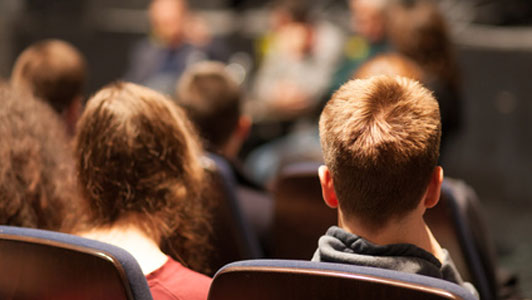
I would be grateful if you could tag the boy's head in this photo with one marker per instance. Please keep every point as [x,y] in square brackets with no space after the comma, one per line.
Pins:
[380,140]
[52,70]
[212,100]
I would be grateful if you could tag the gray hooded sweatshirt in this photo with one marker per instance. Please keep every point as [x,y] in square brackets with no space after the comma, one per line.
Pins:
[339,246]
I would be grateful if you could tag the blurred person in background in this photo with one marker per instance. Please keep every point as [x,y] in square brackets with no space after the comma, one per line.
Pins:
[213,101]
[368,21]
[391,64]
[419,31]
[178,38]
[299,56]
[56,72]
[37,177]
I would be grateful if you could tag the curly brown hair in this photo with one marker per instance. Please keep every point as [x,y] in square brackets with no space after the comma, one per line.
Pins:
[138,161]
[37,178]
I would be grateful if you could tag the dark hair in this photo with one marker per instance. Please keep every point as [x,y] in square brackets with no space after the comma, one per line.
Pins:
[212,100]
[37,185]
[53,70]
[419,31]
[138,161]
[380,139]
[297,10]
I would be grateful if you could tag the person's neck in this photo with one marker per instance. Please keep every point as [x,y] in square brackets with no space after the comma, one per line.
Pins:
[410,230]
[132,239]
[231,148]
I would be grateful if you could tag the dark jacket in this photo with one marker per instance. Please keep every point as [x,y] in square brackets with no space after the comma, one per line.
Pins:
[339,246]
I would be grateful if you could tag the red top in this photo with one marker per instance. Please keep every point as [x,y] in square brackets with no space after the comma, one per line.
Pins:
[172,281]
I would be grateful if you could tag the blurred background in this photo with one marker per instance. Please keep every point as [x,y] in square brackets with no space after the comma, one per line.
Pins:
[493,42]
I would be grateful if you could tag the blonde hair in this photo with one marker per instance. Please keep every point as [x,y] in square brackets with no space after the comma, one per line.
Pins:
[380,139]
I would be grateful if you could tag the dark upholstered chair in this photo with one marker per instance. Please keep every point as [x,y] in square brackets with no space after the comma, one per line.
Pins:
[232,237]
[458,224]
[295,280]
[40,264]
[300,216]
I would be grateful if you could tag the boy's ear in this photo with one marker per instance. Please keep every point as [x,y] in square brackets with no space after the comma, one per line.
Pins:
[432,196]
[327,187]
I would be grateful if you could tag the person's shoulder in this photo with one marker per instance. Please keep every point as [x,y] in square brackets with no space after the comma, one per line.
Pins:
[174,281]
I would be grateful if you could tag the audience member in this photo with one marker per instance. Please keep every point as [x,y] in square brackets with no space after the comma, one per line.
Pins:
[213,102]
[178,39]
[37,185]
[298,62]
[56,72]
[380,139]
[368,21]
[419,31]
[139,170]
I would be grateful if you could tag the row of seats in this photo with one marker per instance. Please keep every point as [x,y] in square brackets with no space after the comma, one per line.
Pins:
[62,266]
[40,264]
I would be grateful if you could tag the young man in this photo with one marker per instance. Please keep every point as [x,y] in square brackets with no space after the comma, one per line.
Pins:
[380,139]
[54,71]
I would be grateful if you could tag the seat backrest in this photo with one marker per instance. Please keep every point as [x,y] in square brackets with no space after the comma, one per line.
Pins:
[40,264]
[232,238]
[297,196]
[458,224]
[291,279]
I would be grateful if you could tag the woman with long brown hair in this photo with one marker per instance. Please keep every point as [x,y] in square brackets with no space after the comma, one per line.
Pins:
[138,162]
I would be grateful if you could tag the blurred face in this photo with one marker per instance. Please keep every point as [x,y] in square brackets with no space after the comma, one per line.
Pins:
[296,39]
[279,18]
[367,19]
[167,19]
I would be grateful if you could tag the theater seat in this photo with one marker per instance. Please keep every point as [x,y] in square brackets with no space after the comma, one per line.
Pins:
[232,236]
[457,223]
[295,280]
[300,215]
[40,264]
